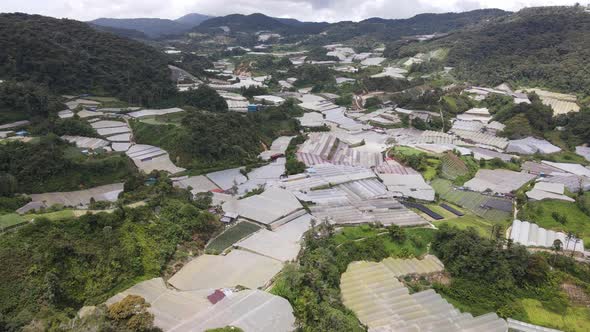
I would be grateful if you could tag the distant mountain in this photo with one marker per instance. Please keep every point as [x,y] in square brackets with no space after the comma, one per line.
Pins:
[71,57]
[152,27]
[127,33]
[260,22]
[193,19]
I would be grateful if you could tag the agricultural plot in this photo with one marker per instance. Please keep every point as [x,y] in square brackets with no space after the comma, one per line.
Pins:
[453,166]
[475,202]
[232,235]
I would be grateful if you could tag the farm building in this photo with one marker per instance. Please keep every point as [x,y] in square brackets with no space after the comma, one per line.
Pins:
[273,208]
[482,139]
[278,147]
[249,310]
[476,114]
[408,185]
[261,176]
[324,174]
[531,235]
[269,99]
[548,190]
[108,128]
[583,151]
[322,148]
[575,169]
[148,112]
[486,154]
[560,103]
[531,145]
[188,311]
[199,184]
[372,61]
[228,178]
[149,158]
[16,124]
[393,72]
[82,102]
[80,198]
[239,267]
[282,244]
[499,181]
[385,211]
[381,302]
[86,142]
[312,119]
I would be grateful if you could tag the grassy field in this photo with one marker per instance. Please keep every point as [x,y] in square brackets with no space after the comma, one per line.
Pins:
[482,226]
[232,235]
[574,319]
[415,244]
[541,213]
[10,220]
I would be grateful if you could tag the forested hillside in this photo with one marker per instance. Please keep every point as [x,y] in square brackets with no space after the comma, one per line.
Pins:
[546,47]
[71,57]
[392,30]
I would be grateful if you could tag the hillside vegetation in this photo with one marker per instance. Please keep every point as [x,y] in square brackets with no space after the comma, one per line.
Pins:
[547,47]
[70,57]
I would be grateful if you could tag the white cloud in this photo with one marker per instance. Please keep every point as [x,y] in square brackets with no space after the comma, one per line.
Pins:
[308,10]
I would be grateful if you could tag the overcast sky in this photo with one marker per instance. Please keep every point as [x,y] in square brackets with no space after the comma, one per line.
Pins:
[307,10]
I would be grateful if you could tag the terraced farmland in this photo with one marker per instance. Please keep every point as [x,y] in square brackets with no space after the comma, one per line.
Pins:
[472,201]
[453,166]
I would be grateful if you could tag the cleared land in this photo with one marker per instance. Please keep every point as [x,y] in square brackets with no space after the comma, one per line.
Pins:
[232,235]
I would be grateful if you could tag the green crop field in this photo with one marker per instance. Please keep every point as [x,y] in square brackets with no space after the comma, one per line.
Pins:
[453,166]
[472,201]
[232,235]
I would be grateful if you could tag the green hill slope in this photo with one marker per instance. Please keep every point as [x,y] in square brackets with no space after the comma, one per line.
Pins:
[71,57]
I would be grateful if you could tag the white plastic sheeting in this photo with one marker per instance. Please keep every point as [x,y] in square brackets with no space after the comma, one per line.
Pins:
[529,234]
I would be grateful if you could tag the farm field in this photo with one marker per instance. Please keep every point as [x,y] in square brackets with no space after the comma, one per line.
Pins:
[541,213]
[453,166]
[232,235]
[471,201]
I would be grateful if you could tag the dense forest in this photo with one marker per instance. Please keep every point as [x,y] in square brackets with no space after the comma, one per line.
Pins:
[547,47]
[213,139]
[390,30]
[71,57]
[58,266]
[53,165]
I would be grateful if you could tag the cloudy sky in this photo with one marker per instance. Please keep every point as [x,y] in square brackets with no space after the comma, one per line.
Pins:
[308,10]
